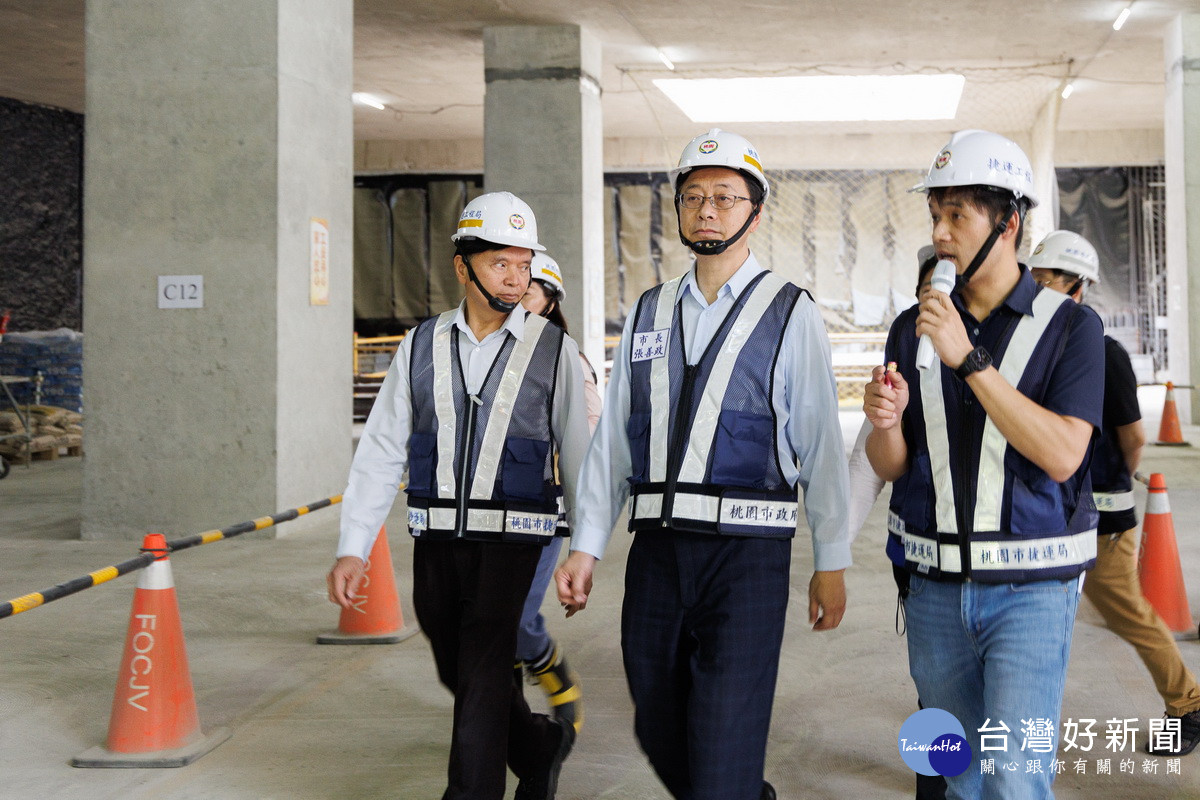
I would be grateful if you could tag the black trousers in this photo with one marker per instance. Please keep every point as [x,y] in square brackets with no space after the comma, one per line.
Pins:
[468,598]
[701,631]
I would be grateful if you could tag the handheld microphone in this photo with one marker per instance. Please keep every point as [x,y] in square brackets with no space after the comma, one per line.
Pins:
[943,281]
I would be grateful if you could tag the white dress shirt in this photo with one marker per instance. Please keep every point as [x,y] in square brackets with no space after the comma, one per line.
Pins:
[809,436]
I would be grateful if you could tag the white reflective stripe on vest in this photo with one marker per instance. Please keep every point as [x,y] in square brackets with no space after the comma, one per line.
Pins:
[439,519]
[746,512]
[491,448]
[488,520]
[704,425]
[1056,551]
[938,440]
[989,486]
[925,551]
[1012,554]
[530,523]
[1113,501]
[443,403]
[725,510]
[660,382]
[484,520]
[700,507]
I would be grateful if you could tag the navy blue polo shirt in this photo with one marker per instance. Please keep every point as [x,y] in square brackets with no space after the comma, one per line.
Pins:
[1074,386]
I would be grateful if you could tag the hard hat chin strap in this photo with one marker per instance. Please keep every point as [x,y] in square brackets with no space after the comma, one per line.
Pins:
[494,302]
[986,249]
[711,247]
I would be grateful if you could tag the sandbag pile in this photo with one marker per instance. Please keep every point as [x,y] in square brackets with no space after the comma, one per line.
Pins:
[53,429]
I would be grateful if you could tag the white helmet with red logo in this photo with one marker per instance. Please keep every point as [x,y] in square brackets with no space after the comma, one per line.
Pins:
[499,218]
[545,269]
[982,158]
[719,148]
[1068,252]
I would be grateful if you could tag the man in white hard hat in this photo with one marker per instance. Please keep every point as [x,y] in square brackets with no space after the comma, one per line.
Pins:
[721,405]
[1066,262]
[474,408]
[992,517]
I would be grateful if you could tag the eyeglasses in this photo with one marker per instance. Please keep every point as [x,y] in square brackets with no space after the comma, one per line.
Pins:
[722,202]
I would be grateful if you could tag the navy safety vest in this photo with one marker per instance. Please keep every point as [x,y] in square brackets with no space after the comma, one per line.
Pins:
[1112,488]
[703,437]
[1014,523]
[482,466]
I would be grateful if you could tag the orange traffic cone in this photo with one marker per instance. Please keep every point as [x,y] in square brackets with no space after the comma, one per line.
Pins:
[153,722]
[1168,430]
[1159,569]
[375,617]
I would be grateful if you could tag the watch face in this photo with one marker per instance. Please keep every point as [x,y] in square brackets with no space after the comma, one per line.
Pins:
[978,359]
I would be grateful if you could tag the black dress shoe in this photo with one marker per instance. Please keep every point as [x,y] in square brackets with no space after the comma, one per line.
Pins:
[543,783]
[768,792]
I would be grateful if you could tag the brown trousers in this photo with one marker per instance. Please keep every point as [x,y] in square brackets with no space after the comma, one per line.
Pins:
[1114,588]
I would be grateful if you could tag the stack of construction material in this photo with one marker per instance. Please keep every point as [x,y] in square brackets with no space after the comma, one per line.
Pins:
[56,357]
[53,431]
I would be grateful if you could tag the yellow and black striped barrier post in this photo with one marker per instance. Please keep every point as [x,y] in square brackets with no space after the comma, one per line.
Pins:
[208,537]
[35,599]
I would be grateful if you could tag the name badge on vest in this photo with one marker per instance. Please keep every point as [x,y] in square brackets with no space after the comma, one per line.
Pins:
[650,344]
[418,519]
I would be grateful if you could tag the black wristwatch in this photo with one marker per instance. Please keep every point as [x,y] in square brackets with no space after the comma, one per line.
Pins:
[976,360]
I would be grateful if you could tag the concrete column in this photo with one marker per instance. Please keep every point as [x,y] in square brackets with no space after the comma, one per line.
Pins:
[1181,127]
[1044,217]
[543,141]
[216,133]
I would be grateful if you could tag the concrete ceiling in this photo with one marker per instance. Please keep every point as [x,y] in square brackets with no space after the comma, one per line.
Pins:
[425,57]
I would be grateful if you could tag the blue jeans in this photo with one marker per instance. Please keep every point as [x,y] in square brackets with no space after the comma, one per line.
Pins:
[532,639]
[998,652]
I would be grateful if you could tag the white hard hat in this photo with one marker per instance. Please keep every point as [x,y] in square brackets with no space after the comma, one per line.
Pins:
[1066,251]
[499,218]
[545,269]
[981,158]
[719,148]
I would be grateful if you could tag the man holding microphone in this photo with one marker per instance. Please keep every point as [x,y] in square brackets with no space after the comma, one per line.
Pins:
[991,515]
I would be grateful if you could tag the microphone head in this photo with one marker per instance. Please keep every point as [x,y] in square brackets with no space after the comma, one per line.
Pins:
[944,275]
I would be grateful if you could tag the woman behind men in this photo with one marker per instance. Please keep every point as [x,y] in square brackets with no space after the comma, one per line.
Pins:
[538,655]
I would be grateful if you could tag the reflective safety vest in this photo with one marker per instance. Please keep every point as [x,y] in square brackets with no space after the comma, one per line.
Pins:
[1009,522]
[482,466]
[703,436]
[1113,488]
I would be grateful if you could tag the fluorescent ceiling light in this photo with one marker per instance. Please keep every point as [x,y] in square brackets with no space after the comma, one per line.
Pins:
[1121,19]
[1068,89]
[666,61]
[826,98]
[368,100]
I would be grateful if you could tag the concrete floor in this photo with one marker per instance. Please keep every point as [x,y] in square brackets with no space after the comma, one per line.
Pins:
[313,721]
